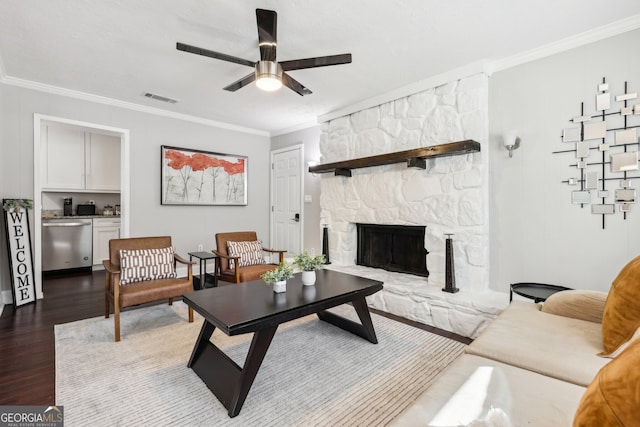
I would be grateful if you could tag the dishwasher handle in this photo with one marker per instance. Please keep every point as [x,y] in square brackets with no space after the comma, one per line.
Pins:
[65,224]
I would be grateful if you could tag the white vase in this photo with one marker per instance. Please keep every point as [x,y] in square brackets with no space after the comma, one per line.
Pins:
[309,278]
[280,286]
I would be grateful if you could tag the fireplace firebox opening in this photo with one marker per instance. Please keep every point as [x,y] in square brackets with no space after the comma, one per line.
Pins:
[398,248]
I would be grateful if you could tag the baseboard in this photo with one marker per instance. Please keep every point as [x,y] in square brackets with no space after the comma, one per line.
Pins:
[6,297]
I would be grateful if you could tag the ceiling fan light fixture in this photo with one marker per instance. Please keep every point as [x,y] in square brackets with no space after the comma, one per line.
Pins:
[268,76]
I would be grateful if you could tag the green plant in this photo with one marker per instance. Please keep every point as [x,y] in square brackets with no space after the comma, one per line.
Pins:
[307,262]
[17,204]
[282,272]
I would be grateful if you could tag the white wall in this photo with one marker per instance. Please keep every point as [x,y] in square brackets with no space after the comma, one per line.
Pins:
[188,225]
[536,233]
[310,137]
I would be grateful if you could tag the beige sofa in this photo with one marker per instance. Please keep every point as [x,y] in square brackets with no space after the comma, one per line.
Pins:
[532,366]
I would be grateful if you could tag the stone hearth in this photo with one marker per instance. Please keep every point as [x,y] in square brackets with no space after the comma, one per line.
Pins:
[413,297]
[449,196]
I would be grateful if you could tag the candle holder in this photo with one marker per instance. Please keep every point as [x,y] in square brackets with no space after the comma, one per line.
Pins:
[450,274]
[325,243]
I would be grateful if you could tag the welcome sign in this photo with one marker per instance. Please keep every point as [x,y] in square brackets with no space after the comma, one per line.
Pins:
[20,259]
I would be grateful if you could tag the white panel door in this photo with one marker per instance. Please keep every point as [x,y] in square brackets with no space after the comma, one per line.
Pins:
[286,200]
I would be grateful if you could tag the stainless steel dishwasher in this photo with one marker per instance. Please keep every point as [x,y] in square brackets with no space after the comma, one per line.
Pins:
[66,243]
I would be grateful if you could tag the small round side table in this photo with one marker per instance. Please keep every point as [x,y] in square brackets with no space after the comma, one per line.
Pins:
[538,292]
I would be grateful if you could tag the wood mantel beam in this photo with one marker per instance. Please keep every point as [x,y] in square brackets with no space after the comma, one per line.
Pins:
[409,156]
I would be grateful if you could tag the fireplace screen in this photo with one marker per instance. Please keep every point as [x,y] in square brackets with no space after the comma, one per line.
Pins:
[398,248]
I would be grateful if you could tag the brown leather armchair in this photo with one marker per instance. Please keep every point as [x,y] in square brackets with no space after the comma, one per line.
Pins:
[142,291]
[236,274]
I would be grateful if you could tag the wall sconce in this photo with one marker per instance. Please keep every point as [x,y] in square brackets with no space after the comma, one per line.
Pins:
[511,141]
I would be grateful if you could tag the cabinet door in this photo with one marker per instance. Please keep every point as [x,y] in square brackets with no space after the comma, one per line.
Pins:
[103,162]
[101,237]
[62,157]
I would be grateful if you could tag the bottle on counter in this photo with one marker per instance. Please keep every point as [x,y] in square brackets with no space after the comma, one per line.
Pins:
[108,210]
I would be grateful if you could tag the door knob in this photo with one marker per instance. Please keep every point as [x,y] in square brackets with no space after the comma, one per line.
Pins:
[296,217]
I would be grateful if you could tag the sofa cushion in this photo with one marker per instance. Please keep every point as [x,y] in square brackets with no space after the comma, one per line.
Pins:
[613,398]
[621,317]
[557,346]
[474,389]
[250,253]
[138,265]
[579,304]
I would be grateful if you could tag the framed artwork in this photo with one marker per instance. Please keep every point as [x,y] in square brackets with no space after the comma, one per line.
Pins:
[196,177]
[16,221]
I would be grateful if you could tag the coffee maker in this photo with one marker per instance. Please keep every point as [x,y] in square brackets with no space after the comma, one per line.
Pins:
[68,206]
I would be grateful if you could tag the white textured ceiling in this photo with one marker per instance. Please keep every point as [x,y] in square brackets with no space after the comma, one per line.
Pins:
[122,48]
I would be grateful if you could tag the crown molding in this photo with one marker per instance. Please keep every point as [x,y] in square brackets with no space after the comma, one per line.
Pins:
[488,67]
[41,87]
[296,128]
[591,36]
[404,91]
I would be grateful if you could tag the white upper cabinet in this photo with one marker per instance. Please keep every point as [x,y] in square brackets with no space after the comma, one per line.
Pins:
[102,162]
[62,157]
[73,159]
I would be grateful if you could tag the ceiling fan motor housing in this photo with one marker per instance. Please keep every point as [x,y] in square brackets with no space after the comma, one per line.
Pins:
[268,69]
[268,75]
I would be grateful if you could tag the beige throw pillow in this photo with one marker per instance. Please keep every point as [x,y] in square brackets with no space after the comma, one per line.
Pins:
[250,253]
[137,265]
[577,304]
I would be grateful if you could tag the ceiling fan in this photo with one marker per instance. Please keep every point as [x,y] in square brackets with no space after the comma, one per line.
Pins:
[269,75]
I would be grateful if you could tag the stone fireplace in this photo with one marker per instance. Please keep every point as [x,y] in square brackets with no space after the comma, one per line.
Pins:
[449,196]
[398,248]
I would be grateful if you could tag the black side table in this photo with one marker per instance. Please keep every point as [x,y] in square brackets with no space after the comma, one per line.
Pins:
[201,281]
[538,292]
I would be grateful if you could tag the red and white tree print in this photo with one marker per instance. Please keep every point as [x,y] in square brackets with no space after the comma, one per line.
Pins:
[201,178]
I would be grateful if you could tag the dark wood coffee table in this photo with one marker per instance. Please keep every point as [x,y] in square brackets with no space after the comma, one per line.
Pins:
[254,307]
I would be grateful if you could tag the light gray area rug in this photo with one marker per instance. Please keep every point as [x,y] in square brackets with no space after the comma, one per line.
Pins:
[313,374]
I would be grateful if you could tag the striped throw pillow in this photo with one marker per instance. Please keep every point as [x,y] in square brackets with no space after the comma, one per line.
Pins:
[137,265]
[250,253]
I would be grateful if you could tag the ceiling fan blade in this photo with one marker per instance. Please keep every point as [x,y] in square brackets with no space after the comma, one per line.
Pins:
[321,61]
[267,38]
[211,54]
[294,85]
[241,83]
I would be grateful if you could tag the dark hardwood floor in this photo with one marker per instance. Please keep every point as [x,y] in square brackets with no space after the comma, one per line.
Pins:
[27,353]
[27,358]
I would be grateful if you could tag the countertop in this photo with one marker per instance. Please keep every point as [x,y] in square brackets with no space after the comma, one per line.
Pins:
[80,217]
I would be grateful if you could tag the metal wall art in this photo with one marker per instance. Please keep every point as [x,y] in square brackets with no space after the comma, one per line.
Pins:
[605,145]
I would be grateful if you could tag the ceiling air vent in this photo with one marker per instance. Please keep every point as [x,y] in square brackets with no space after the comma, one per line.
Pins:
[160,98]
